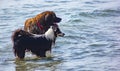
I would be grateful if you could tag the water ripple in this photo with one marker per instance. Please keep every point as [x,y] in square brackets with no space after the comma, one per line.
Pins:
[100,13]
[91,41]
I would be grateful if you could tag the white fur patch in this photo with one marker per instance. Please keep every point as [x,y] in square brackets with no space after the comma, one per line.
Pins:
[48,53]
[36,35]
[50,34]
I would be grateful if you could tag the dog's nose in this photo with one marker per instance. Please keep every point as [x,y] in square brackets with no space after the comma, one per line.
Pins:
[61,34]
[57,20]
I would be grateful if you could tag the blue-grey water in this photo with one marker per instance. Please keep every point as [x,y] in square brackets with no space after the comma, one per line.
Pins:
[91,43]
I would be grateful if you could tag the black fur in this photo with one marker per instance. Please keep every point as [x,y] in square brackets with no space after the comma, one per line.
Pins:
[23,40]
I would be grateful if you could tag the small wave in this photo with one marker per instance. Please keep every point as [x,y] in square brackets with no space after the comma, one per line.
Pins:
[95,2]
[6,18]
[107,12]
[11,14]
[86,14]
[55,1]
[100,13]
[31,6]
[75,20]
[98,44]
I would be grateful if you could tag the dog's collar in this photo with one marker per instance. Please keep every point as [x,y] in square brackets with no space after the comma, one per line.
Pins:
[40,26]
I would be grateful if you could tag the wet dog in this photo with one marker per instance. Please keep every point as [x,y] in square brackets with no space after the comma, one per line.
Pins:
[41,22]
[37,44]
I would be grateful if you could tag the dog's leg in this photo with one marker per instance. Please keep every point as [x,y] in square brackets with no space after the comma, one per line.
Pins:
[14,51]
[41,53]
[20,53]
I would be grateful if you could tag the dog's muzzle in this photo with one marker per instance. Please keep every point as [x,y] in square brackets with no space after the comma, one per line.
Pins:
[61,34]
[57,20]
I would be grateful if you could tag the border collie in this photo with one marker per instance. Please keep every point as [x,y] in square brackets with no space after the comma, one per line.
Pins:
[37,44]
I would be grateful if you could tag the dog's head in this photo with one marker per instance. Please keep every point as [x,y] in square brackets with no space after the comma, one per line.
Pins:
[57,31]
[50,18]
[53,32]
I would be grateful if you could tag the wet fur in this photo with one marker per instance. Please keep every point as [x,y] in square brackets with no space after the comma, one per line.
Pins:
[45,19]
[37,44]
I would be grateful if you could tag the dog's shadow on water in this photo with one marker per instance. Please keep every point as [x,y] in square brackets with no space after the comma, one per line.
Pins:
[29,64]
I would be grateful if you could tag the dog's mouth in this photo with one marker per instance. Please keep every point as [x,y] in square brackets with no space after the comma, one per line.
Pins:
[61,34]
[55,24]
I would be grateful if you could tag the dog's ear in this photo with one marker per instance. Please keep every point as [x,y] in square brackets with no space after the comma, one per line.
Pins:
[48,17]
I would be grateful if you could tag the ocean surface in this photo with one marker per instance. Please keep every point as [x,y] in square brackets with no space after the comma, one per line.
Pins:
[91,41]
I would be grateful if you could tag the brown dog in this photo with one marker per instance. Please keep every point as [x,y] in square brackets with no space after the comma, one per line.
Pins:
[41,22]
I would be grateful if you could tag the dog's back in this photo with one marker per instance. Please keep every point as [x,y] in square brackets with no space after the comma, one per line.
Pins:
[37,44]
[19,33]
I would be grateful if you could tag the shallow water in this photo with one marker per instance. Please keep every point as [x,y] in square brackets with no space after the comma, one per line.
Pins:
[91,43]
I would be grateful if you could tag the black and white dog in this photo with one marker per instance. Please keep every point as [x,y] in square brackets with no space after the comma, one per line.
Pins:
[37,44]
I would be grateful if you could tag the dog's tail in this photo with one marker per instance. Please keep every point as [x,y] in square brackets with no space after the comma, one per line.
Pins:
[16,34]
[19,33]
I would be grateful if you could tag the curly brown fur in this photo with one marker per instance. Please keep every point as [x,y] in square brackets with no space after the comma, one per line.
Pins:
[45,19]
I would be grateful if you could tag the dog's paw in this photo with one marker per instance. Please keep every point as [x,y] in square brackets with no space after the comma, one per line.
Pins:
[48,53]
